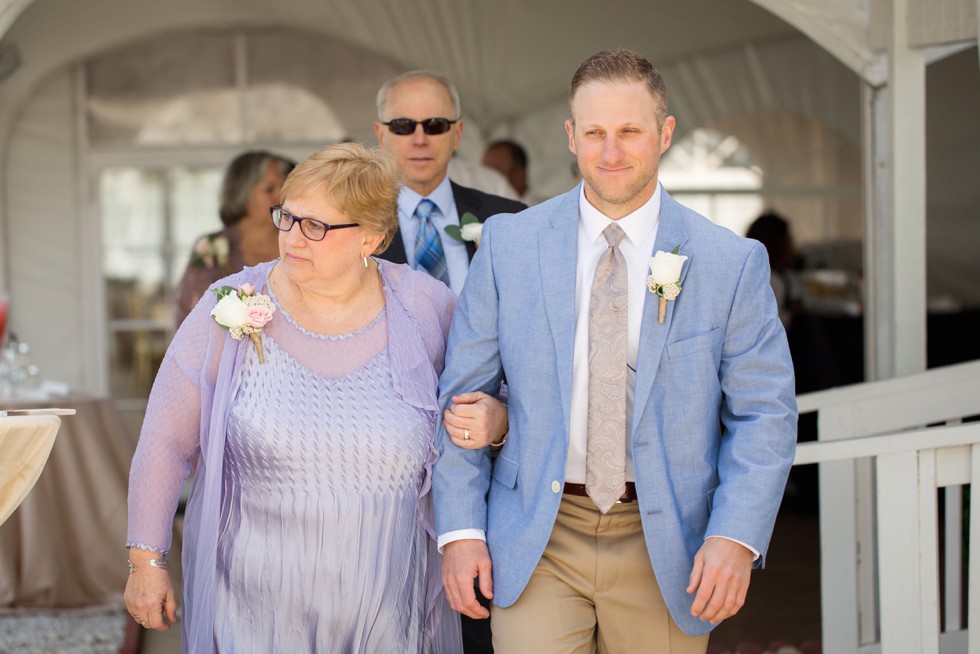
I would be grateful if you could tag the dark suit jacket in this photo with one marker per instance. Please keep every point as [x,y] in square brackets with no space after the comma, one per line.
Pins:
[480,204]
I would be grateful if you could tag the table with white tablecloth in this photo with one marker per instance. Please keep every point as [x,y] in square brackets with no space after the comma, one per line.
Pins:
[65,545]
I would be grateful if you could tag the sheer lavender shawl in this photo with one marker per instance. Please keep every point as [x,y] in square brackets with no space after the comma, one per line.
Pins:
[186,422]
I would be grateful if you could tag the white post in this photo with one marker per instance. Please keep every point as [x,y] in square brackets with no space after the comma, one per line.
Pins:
[973,592]
[907,128]
[908,563]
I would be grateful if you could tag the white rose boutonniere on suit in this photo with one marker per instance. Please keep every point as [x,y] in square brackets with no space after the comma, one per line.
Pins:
[665,273]
[469,229]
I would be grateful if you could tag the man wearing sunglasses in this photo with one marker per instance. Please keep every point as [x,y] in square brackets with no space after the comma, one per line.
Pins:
[419,122]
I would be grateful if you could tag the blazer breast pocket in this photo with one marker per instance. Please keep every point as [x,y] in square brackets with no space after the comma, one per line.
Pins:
[505,472]
[694,344]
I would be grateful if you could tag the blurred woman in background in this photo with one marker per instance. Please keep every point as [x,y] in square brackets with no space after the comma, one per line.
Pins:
[251,186]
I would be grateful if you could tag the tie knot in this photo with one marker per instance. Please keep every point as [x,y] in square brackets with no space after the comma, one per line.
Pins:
[424,210]
[614,234]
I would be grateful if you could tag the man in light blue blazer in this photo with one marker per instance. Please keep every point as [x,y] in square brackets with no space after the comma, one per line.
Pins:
[707,417]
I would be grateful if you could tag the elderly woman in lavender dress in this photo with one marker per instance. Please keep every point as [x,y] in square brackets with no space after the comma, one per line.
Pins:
[309,526]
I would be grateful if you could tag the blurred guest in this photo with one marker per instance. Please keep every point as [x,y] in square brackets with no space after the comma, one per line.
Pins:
[772,230]
[420,122]
[309,525]
[251,185]
[511,160]
[482,178]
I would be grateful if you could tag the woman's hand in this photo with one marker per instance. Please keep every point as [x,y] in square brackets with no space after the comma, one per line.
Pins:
[149,594]
[475,420]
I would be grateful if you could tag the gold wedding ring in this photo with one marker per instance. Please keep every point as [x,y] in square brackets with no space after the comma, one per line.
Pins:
[466,434]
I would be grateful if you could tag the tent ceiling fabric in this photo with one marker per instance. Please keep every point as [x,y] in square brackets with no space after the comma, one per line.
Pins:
[509,57]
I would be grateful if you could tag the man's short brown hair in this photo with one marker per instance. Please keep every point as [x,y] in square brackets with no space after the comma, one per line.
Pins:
[620,66]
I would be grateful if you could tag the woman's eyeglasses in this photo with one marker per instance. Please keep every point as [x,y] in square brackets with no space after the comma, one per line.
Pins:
[312,228]
[431,126]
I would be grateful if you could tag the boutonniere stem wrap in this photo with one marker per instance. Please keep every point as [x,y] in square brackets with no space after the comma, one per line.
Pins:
[243,313]
[665,275]
[469,229]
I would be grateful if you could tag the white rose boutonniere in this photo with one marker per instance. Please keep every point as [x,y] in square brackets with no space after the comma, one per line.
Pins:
[211,251]
[469,229]
[243,313]
[665,273]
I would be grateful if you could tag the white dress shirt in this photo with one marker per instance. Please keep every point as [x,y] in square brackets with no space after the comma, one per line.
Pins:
[637,248]
[445,213]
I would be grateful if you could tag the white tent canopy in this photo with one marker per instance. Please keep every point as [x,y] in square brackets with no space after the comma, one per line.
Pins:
[797,82]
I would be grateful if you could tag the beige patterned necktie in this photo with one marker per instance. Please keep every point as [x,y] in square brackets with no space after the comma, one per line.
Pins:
[605,461]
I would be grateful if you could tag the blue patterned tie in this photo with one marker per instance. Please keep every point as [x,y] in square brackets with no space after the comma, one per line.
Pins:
[429,255]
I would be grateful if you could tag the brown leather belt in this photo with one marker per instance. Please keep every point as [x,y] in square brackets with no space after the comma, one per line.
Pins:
[579,489]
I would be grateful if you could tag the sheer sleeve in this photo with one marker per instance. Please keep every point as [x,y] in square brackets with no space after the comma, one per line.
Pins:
[170,438]
[419,312]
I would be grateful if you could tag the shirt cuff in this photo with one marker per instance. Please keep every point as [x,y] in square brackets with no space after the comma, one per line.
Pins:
[755,552]
[460,534]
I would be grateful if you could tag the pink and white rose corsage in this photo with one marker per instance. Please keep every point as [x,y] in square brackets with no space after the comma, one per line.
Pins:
[243,313]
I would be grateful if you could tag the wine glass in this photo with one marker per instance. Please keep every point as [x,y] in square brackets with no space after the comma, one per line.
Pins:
[4,303]
[6,384]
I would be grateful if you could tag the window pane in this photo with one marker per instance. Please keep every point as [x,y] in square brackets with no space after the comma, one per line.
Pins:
[133,226]
[136,266]
[177,88]
[195,200]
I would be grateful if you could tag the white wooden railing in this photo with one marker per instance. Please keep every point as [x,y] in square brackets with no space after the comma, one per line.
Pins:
[886,449]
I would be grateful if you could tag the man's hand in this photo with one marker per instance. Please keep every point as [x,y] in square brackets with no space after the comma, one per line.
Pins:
[462,562]
[721,578]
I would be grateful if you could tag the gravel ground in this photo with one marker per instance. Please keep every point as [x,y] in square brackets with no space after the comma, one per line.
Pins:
[73,632]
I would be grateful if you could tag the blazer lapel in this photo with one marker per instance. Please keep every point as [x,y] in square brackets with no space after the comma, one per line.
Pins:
[557,258]
[467,202]
[671,233]
[396,251]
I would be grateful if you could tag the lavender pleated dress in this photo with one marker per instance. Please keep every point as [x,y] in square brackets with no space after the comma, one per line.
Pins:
[319,547]
[309,528]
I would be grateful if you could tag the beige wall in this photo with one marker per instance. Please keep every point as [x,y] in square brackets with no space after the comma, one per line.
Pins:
[45,233]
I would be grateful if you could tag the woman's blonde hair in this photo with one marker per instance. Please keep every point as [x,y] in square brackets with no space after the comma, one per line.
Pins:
[363,182]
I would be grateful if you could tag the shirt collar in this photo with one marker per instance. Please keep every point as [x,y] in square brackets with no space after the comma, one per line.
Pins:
[636,225]
[441,196]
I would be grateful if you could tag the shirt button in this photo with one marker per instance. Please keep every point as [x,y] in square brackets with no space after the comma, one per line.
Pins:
[555,487]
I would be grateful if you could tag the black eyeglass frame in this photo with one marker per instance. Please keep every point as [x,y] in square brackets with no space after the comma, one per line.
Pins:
[294,219]
[431,126]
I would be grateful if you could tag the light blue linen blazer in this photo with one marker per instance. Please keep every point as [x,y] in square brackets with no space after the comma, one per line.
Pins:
[714,412]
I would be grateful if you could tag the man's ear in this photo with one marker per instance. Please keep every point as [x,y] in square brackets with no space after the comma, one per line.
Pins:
[667,133]
[457,134]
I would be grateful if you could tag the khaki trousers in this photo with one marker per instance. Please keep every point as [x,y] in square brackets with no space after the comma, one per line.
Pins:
[593,590]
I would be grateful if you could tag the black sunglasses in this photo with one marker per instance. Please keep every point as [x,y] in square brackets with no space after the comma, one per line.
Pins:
[312,228]
[431,126]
